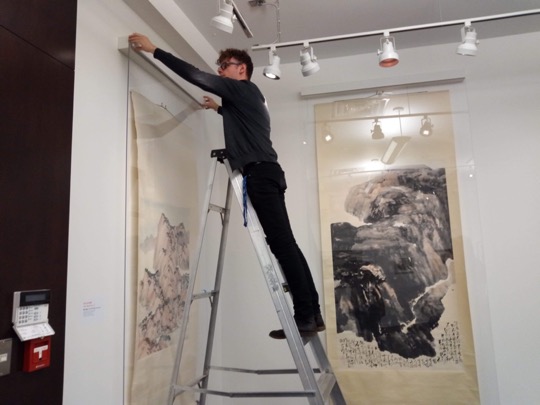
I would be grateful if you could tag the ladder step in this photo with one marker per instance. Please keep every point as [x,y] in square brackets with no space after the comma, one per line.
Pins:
[261,372]
[247,394]
[326,384]
[216,208]
[178,389]
[204,294]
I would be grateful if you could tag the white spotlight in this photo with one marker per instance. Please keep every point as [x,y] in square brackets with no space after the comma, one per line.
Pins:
[308,61]
[224,20]
[388,56]
[272,71]
[426,128]
[376,132]
[328,136]
[468,41]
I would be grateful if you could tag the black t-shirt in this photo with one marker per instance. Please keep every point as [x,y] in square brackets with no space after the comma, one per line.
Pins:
[246,122]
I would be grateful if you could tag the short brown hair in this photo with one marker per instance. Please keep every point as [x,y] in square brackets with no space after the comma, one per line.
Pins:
[240,55]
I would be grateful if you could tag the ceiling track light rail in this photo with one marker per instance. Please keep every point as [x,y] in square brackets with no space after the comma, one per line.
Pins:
[398,29]
[387,53]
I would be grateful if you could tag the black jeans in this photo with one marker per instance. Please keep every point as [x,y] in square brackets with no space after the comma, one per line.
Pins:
[266,186]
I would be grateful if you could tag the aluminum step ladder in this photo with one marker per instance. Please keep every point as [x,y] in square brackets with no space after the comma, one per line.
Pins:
[319,384]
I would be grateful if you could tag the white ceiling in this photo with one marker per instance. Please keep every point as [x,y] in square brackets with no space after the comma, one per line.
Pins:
[310,19]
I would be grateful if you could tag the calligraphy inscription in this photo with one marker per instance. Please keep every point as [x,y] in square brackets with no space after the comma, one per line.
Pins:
[359,353]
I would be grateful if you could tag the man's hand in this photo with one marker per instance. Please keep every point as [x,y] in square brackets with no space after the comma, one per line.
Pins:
[210,103]
[140,42]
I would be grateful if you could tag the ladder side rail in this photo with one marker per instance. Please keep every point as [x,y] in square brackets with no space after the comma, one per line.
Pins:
[320,354]
[217,287]
[326,369]
[283,310]
[192,278]
[337,395]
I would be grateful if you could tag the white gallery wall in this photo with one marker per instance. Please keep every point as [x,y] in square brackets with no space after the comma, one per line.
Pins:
[502,86]
[97,253]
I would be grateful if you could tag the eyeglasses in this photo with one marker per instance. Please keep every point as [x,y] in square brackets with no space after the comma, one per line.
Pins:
[225,65]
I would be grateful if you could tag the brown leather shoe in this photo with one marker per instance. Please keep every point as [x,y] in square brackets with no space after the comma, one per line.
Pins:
[319,321]
[306,329]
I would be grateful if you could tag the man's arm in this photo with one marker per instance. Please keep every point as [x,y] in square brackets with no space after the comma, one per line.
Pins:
[206,81]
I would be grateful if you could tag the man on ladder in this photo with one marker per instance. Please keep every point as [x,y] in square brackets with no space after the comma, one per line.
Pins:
[246,123]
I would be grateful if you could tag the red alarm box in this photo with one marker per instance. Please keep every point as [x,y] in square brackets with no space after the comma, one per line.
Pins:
[37,354]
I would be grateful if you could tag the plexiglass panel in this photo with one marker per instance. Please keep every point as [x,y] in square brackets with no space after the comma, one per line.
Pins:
[399,238]
[164,178]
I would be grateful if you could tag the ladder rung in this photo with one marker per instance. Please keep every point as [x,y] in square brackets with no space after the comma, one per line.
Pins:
[248,394]
[261,372]
[204,294]
[178,389]
[326,383]
[216,208]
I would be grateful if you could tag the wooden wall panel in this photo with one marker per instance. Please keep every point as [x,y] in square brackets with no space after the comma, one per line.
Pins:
[48,25]
[36,110]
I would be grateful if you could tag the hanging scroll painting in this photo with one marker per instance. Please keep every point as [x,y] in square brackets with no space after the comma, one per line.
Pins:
[165,212]
[399,328]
